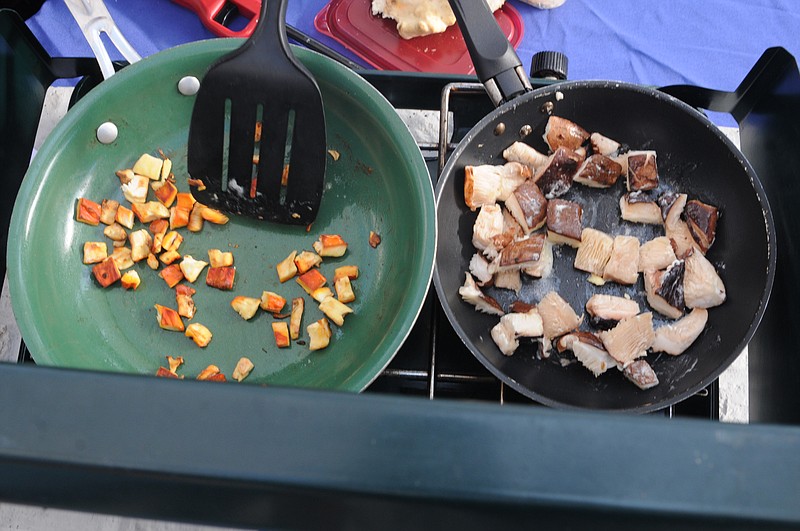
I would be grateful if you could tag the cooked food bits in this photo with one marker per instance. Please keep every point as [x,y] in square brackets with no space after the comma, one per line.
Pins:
[130,280]
[638,207]
[344,289]
[642,170]
[272,302]
[106,272]
[108,211]
[287,268]
[486,184]
[630,339]
[94,252]
[149,166]
[598,171]
[558,317]
[245,306]
[335,310]
[221,277]
[623,264]
[528,206]
[200,334]
[168,319]
[217,258]
[560,132]
[525,154]
[306,260]
[374,239]
[555,178]
[172,275]
[473,295]
[243,369]
[676,337]
[702,221]
[331,245]
[605,311]
[88,212]
[125,217]
[281,332]
[656,254]
[594,251]
[192,268]
[641,374]
[311,280]
[564,223]
[702,285]
[298,305]
[183,296]
[319,334]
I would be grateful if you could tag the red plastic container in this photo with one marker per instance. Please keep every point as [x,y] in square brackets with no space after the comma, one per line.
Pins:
[377,42]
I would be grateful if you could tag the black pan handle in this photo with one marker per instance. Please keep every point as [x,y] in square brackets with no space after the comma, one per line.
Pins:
[496,63]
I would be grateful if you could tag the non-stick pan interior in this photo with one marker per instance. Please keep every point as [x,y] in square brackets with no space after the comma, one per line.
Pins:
[377,181]
[693,157]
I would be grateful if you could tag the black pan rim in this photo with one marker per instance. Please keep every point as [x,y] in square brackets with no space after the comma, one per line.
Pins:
[556,91]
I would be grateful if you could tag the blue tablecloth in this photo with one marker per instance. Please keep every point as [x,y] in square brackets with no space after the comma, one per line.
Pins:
[711,43]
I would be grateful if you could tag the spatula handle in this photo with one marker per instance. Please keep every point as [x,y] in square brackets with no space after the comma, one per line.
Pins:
[270,31]
[496,63]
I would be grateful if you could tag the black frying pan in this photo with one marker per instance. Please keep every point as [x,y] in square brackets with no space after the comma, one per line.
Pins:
[693,157]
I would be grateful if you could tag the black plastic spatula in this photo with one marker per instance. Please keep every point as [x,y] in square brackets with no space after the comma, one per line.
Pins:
[277,175]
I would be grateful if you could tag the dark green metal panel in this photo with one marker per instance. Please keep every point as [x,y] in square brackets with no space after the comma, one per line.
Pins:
[292,458]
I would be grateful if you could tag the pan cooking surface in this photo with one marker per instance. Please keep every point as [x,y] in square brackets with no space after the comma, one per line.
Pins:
[694,157]
[379,183]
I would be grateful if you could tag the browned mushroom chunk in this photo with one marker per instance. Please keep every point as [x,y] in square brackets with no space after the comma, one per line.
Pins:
[598,171]
[487,183]
[664,290]
[558,317]
[482,302]
[642,170]
[702,221]
[528,206]
[513,326]
[589,350]
[604,145]
[702,286]
[630,339]
[675,338]
[638,207]
[480,269]
[594,251]
[672,206]
[521,253]
[605,311]
[555,178]
[544,266]
[564,222]
[560,132]
[641,374]
[525,154]
[510,279]
[488,227]
[656,254]
[623,265]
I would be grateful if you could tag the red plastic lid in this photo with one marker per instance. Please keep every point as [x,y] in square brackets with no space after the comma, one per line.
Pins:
[375,39]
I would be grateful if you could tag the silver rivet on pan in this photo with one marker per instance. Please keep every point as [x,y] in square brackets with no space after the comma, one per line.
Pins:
[107,132]
[525,130]
[499,129]
[188,85]
[547,107]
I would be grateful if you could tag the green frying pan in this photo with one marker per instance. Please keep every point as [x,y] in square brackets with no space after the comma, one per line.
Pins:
[379,183]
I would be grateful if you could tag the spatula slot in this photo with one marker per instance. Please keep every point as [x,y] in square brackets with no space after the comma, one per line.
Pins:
[226,144]
[287,156]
